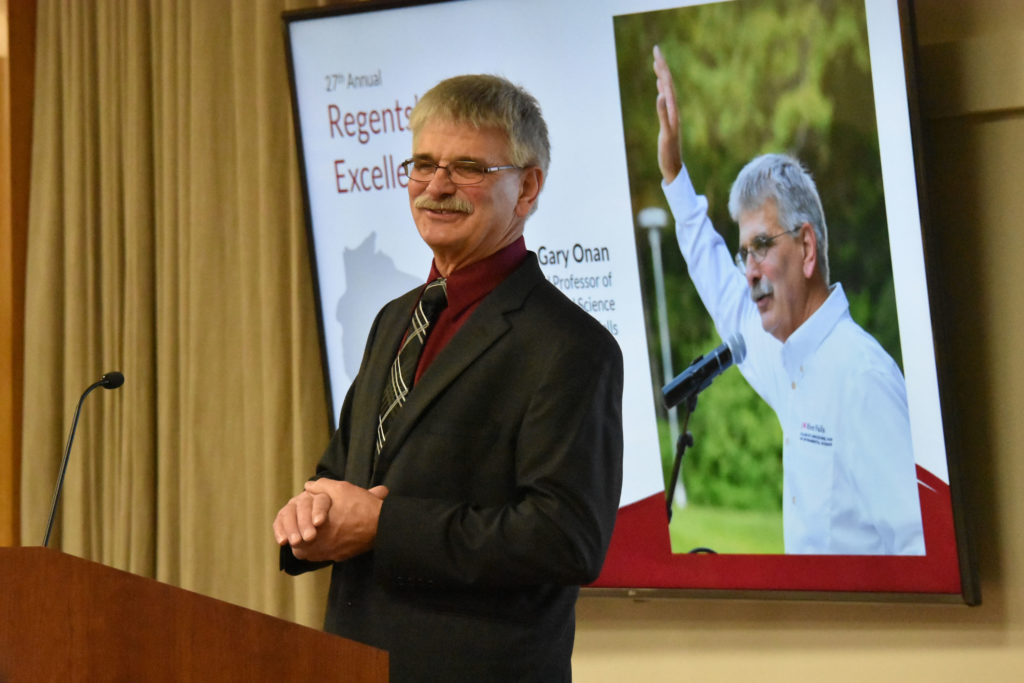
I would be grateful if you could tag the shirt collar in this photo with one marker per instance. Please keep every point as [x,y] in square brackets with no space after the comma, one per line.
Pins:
[806,339]
[467,285]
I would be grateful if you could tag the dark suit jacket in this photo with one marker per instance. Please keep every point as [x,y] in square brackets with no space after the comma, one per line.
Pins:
[504,470]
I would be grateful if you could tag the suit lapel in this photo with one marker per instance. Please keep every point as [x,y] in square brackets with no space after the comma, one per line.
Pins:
[485,326]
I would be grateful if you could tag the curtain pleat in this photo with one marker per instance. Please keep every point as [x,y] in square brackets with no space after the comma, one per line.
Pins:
[166,240]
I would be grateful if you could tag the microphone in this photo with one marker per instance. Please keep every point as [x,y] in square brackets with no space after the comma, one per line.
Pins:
[111,380]
[698,376]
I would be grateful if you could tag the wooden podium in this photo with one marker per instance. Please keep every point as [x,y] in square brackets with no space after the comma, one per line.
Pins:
[65,618]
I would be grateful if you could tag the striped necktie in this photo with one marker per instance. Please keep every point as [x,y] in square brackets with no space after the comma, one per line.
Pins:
[403,370]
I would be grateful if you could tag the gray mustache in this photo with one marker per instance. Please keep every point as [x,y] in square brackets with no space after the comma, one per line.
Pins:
[762,288]
[448,204]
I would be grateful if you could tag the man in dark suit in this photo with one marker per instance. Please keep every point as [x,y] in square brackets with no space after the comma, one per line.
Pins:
[461,515]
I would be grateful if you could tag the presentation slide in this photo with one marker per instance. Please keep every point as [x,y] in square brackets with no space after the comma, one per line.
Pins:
[824,82]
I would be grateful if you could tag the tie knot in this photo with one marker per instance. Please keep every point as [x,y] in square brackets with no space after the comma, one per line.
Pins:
[434,297]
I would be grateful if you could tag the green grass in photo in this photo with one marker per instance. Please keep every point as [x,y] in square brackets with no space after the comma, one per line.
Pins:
[726,530]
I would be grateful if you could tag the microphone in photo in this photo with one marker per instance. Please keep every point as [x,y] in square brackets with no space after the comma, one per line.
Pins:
[111,380]
[698,376]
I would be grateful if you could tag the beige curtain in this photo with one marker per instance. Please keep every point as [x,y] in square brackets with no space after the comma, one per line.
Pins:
[166,240]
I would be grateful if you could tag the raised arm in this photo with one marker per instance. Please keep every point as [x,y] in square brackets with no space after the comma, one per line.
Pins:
[669,155]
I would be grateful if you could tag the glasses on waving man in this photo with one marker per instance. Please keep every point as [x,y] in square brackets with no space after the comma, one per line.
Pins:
[758,248]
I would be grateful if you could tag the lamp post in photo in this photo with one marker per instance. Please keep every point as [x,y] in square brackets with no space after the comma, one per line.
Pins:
[653,220]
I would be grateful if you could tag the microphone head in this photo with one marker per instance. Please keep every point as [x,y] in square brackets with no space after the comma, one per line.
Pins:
[737,347]
[112,380]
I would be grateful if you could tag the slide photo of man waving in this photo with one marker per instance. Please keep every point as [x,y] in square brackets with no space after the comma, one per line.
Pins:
[757,130]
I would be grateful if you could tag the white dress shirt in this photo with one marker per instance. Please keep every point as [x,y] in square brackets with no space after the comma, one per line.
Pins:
[849,478]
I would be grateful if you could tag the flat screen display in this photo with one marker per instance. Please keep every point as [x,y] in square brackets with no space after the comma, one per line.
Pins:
[824,82]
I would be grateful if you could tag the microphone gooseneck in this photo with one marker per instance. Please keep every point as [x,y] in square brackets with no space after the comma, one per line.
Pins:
[111,380]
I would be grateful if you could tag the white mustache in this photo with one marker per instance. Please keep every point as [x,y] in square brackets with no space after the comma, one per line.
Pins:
[449,204]
[761,288]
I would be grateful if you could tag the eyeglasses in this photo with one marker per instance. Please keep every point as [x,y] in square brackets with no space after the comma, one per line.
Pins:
[759,247]
[460,172]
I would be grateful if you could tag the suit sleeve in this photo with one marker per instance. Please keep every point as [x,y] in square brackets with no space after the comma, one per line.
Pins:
[556,527]
[331,465]
[333,462]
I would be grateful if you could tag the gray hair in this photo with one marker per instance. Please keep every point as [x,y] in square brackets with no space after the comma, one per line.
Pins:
[485,100]
[782,178]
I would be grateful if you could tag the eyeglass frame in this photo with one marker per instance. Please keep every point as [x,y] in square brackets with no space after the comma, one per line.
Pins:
[486,170]
[740,257]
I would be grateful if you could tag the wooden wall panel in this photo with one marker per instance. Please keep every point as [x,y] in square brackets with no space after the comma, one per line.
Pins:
[17,69]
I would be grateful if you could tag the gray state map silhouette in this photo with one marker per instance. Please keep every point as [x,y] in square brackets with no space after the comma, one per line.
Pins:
[371,280]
